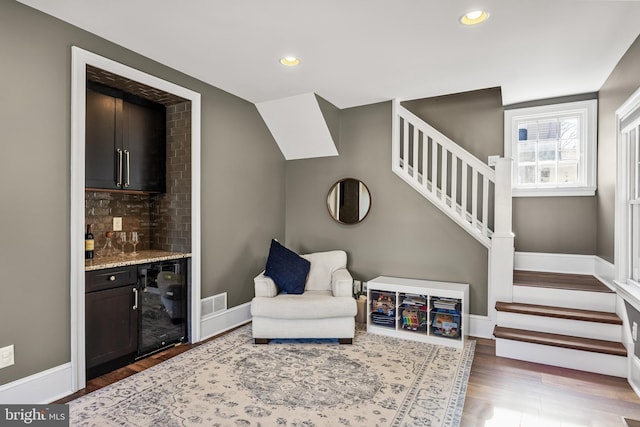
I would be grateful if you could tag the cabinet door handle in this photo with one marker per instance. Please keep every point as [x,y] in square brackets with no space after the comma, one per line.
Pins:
[119,183]
[128,155]
[112,278]
[135,298]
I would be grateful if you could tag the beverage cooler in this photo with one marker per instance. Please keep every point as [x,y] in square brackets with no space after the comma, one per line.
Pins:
[163,305]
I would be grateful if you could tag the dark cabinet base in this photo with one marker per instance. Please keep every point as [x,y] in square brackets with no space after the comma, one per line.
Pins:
[110,366]
[132,312]
[111,324]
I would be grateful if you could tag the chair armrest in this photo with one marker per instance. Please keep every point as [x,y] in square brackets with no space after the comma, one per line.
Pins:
[342,283]
[265,286]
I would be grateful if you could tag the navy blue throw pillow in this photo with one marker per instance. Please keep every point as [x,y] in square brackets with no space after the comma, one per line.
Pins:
[287,269]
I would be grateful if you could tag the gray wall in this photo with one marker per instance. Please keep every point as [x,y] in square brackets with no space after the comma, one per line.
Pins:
[621,84]
[560,225]
[242,203]
[404,235]
[634,316]
[565,225]
[475,120]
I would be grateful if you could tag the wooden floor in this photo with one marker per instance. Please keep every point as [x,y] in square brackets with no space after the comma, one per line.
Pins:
[578,282]
[501,392]
[513,393]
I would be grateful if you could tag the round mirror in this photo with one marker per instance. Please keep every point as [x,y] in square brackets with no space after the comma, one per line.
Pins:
[349,201]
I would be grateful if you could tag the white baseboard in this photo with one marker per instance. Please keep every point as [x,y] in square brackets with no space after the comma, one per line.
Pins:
[481,326]
[40,388]
[556,263]
[605,272]
[224,321]
[567,263]
[634,373]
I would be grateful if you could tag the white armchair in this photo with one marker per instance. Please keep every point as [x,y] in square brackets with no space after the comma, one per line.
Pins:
[326,309]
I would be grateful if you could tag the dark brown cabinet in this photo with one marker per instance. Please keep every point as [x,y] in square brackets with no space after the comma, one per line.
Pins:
[133,311]
[125,141]
[111,319]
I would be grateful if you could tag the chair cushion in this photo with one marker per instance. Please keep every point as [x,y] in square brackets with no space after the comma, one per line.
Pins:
[287,269]
[310,305]
[323,264]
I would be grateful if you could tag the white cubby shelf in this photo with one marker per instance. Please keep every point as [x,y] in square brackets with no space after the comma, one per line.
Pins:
[421,310]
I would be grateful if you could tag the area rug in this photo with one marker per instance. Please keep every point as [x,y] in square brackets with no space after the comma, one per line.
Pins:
[229,381]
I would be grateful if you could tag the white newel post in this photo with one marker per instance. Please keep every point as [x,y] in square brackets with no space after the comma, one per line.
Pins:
[502,249]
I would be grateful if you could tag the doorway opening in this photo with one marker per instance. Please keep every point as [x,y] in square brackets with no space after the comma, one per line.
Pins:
[84,62]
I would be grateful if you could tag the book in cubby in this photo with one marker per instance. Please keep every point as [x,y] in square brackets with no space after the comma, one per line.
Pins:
[445,317]
[413,312]
[383,308]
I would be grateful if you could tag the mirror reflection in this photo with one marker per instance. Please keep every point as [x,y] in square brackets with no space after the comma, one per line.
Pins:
[349,201]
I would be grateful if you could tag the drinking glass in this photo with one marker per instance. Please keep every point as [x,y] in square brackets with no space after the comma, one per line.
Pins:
[122,240]
[135,239]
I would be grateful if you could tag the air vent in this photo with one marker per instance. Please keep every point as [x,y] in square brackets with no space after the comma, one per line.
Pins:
[213,305]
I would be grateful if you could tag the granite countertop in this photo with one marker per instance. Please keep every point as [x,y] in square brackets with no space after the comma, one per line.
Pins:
[141,257]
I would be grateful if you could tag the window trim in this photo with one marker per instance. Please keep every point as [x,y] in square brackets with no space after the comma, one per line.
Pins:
[623,253]
[588,109]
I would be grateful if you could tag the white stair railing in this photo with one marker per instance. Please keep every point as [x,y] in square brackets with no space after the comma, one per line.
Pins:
[458,183]
[463,187]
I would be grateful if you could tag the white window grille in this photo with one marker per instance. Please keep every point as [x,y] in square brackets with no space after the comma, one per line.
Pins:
[553,149]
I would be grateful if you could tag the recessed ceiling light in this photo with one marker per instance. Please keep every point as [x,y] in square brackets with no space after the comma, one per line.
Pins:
[474,17]
[290,61]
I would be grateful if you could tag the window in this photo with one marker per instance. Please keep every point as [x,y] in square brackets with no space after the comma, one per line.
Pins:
[633,204]
[627,223]
[553,149]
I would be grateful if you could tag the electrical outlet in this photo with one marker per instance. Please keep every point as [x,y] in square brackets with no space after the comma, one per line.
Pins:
[6,356]
[357,287]
[634,331]
[117,223]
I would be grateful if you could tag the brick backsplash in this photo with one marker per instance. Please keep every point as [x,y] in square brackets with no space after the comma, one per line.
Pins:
[171,211]
[163,220]
[101,207]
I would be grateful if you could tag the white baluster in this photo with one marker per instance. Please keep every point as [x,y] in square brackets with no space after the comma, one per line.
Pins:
[465,190]
[425,161]
[485,206]
[444,179]
[454,183]
[405,146]
[434,167]
[474,199]
[416,146]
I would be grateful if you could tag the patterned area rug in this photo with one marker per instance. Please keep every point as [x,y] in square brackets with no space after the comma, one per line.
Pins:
[376,381]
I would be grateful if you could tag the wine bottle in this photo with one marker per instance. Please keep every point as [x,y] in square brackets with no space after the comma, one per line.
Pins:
[89,243]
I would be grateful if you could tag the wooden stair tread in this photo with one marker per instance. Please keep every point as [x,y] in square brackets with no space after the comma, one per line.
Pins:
[559,312]
[564,341]
[578,282]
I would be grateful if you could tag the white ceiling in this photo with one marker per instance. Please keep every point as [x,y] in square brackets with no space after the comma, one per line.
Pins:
[357,52]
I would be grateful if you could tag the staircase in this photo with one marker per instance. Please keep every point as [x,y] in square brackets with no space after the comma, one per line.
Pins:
[563,320]
[451,178]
